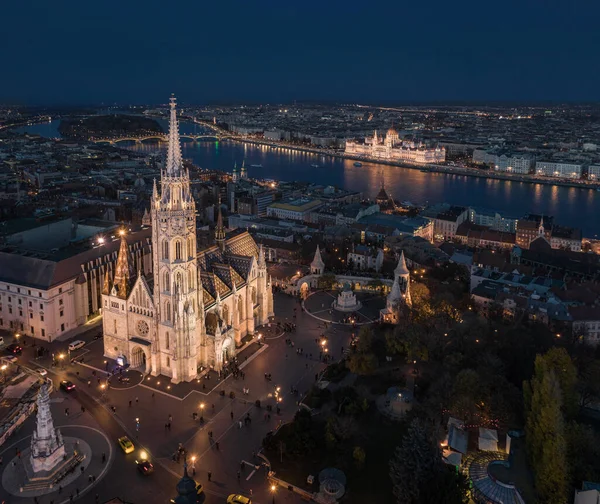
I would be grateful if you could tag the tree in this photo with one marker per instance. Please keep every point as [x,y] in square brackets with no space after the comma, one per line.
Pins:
[412,463]
[545,435]
[326,281]
[559,361]
[418,474]
[359,456]
[362,364]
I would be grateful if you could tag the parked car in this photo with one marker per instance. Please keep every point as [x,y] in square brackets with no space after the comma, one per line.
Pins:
[67,385]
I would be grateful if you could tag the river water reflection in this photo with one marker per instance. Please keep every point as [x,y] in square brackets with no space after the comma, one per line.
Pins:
[570,206]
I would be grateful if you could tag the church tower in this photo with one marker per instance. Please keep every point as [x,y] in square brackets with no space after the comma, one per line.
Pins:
[173,212]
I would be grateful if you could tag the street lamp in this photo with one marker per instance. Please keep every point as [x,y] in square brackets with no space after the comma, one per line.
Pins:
[273,488]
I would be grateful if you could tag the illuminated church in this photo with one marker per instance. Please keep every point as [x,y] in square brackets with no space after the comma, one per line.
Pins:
[391,148]
[198,304]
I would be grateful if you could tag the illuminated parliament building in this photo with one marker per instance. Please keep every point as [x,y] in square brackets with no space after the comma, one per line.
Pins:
[391,148]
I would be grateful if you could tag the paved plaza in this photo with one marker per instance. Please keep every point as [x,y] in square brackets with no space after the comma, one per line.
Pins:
[158,418]
[319,306]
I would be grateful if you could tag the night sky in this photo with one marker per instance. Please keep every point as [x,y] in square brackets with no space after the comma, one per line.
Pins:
[125,51]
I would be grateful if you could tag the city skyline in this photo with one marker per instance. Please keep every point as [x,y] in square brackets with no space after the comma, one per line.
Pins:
[280,53]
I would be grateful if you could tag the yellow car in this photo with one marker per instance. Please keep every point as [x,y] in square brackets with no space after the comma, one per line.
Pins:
[126,444]
[238,499]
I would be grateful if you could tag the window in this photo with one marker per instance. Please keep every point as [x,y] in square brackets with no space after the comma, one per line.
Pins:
[11,324]
[29,292]
[60,302]
[19,290]
[30,304]
[60,290]
[178,251]
[20,313]
[115,326]
[8,287]
[1,322]
[41,306]
[62,313]
[62,327]
[165,249]
[166,281]
[190,246]
[30,315]
[39,294]
[32,330]
[168,311]
[21,324]
[10,309]
[42,317]
[9,299]
[43,333]
[168,361]
[18,301]
[167,342]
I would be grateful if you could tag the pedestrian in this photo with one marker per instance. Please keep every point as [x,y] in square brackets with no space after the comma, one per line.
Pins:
[130,404]
[193,470]
[83,409]
[170,418]
[97,498]
[77,490]
[209,476]
[239,475]
[89,383]
[251,492]
[137,400]
[89,478]
[103,457]
[82,469]
[59,489]
[242,466]
[152,395]
[240,424]
[231,415]
[217,445]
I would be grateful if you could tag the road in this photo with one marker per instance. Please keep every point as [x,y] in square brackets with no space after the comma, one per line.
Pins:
[236,445]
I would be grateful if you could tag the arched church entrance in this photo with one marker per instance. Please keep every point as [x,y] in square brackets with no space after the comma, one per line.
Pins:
[227,349]
[138,358]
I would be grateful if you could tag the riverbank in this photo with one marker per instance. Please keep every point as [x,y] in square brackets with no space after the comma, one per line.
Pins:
[447,170]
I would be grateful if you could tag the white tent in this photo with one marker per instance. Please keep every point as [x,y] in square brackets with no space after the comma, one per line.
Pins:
[488,439]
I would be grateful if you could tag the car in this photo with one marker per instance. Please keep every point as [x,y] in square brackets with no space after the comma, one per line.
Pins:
[67,385]
[238,499]
[144,466]
[126,444]
[199,489]
[42,372]
[76,345]
[10,358]
[14,349]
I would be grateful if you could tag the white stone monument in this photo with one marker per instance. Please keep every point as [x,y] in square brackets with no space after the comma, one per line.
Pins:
[346,301]
[47,445]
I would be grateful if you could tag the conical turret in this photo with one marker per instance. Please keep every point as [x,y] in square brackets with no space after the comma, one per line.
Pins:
[401,270]
[106,286]
[220,230]
[317,266]
[124,272]
[261,257]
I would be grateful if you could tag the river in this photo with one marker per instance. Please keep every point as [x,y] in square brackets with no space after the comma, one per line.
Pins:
[570,206]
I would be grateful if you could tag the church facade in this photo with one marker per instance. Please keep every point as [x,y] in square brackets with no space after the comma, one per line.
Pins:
[198,304]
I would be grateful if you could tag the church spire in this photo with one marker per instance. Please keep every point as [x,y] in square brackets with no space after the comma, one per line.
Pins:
[261,257]
[124,270]
[106,286]
[541,228]
[401,270]
[174,165]
[220,230]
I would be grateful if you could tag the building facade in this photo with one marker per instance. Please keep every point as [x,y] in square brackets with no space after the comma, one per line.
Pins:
[392,148]
[559,169]
[196,307]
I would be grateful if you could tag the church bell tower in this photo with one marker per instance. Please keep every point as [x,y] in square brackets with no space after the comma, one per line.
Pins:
[173,212]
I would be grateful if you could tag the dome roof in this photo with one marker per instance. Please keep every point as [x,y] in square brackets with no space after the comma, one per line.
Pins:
[392,131]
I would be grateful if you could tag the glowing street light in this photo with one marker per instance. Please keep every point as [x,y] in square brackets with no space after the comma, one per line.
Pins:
[273,488]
